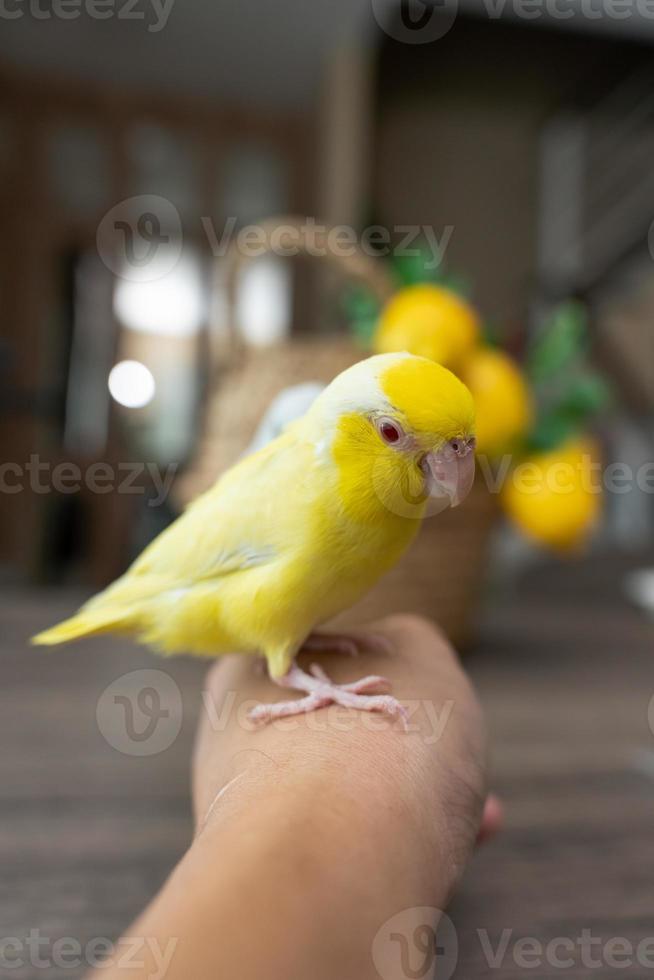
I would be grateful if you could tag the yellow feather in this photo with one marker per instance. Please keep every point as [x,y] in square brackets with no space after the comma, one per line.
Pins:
[291,535]
[433,400]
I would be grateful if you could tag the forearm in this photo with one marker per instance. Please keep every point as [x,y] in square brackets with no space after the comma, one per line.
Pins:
[277,886]
[311,836]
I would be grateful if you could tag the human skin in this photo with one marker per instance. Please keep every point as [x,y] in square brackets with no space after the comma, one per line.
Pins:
[312,832]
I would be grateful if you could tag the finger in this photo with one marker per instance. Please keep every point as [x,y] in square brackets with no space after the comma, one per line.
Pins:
[492,819]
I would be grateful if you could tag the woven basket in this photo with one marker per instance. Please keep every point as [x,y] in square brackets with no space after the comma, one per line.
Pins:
[441,574]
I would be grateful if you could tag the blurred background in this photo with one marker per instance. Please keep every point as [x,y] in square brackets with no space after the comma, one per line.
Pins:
[501,151]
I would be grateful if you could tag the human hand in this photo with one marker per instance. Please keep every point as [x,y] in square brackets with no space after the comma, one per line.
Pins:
[315,831]
[383,819]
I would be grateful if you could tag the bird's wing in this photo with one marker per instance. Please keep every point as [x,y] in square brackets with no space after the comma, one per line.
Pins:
[240,523]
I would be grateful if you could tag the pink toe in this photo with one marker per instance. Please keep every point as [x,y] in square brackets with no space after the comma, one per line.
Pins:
[262,713]
[368,685]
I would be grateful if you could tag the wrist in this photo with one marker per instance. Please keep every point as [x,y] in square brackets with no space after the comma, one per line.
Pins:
[371,802]
[317,876]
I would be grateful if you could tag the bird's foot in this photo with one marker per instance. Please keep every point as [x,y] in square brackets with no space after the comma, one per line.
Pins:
[320,691]
[350,643]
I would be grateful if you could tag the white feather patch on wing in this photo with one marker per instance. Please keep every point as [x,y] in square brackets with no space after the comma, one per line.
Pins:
[289,405]
[226,562]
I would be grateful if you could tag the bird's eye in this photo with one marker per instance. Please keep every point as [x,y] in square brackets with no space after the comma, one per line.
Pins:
[389,431]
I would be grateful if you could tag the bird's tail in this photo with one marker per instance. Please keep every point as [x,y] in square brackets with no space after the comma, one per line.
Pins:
[85,623]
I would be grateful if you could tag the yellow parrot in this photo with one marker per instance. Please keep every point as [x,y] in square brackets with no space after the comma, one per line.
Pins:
[299,530]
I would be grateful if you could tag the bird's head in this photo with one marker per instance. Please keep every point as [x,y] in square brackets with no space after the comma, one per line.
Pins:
[401,429]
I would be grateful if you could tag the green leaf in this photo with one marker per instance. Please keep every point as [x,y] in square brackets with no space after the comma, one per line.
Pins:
[560,342]
[457,283]
[588,395]
[362,311]
[359,301]
[550,431]
[491,335]
[364,330]
[414,267]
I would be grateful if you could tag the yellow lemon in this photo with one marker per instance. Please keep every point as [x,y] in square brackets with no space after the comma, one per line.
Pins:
[428,320]
[502,400]
[555,497]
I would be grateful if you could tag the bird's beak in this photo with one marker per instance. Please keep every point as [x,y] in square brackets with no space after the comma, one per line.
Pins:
[450,472]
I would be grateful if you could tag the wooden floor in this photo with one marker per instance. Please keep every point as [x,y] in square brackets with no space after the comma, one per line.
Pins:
[565,668]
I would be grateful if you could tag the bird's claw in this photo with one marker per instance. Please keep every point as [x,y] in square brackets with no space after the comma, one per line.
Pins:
[320,691]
